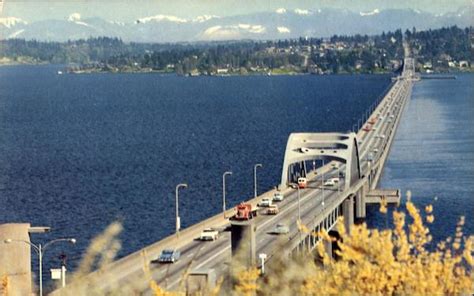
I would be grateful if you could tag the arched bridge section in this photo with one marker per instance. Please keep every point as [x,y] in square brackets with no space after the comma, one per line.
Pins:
[302,147]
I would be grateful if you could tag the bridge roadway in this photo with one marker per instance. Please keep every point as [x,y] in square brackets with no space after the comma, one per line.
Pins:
[127,273]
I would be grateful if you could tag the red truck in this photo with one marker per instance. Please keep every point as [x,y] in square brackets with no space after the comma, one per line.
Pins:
[244,211]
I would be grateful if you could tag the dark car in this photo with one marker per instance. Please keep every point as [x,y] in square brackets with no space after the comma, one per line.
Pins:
[169,256]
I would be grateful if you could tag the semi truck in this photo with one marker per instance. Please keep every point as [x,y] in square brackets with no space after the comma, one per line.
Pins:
[245,211]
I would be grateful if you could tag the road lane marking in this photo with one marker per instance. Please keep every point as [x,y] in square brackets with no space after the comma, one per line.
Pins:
[201,264]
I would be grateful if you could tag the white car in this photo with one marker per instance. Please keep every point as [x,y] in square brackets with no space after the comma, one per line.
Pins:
[266,202]
[278,196]
[209,234]
[331,182]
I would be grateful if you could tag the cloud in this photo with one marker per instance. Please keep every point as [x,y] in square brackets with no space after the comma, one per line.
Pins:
[283,30]
[74,17]
[301,11]
[373,12]
[16,34]
[11,21]
[280,10]
[160,18]
[204,18]
[255,29]
[232,31]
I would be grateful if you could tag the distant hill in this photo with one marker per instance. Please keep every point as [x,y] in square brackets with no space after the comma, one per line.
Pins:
[279,24]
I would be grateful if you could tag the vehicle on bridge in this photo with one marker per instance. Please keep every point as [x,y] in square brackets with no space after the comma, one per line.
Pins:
[280,228]
[169,256]
[302,182]
[372,120]
[209,234]
[367,128]
[272,210]
[266,202]
[331,182]
[244,211]
[278,196]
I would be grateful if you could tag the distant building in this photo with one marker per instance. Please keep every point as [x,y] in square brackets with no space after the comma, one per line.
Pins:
[427,65]
[222,70]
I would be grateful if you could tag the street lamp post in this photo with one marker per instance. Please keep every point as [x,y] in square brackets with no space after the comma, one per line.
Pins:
[322,190]
[228,173]
[339,178]
[258,165]
[178,219]
[40,249]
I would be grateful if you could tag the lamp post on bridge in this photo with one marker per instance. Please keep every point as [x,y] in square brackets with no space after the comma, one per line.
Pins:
[228,173]
[322,185]
[178,219]
[258,165]
[40,249]
[339,178]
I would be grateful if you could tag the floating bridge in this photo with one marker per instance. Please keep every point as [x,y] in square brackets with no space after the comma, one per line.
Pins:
[358,157]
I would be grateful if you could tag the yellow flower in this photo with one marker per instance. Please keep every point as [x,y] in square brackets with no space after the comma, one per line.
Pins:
[430,219]
[429,209]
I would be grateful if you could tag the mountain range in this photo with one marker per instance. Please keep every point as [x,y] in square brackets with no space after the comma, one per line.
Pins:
[279,24]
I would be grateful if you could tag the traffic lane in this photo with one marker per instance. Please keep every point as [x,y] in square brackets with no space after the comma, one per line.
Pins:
[172,272]
[272,241]
[294,196]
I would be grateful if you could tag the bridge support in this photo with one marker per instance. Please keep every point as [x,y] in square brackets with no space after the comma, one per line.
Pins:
[243,243]
[360,202]
[348,212]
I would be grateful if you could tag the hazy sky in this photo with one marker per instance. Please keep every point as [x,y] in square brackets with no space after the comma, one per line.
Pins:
[122,10]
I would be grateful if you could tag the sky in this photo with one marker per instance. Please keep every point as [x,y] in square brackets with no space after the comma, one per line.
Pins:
[130,10]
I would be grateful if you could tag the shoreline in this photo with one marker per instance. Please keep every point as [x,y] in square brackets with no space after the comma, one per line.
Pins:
[278,72]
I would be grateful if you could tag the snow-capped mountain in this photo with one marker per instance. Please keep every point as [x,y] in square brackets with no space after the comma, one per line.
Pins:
[278,24]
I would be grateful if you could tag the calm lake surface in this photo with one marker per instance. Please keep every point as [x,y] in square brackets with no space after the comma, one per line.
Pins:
[78,152]
[433,154]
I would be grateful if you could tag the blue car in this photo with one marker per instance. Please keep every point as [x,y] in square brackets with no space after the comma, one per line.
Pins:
[169,256]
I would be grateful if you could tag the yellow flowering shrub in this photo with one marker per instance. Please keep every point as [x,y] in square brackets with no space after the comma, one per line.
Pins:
[368,262]
[4,285]
[394,262]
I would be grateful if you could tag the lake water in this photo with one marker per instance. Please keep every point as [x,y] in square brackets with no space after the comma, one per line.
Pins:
[433,154]
[78,152]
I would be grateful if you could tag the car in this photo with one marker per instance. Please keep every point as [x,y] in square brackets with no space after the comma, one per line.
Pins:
[331,182]
[278,196]
[281,228]
[169,256]
[209,234]
[302,182]
[272,210]
[342,175]
[266,202]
